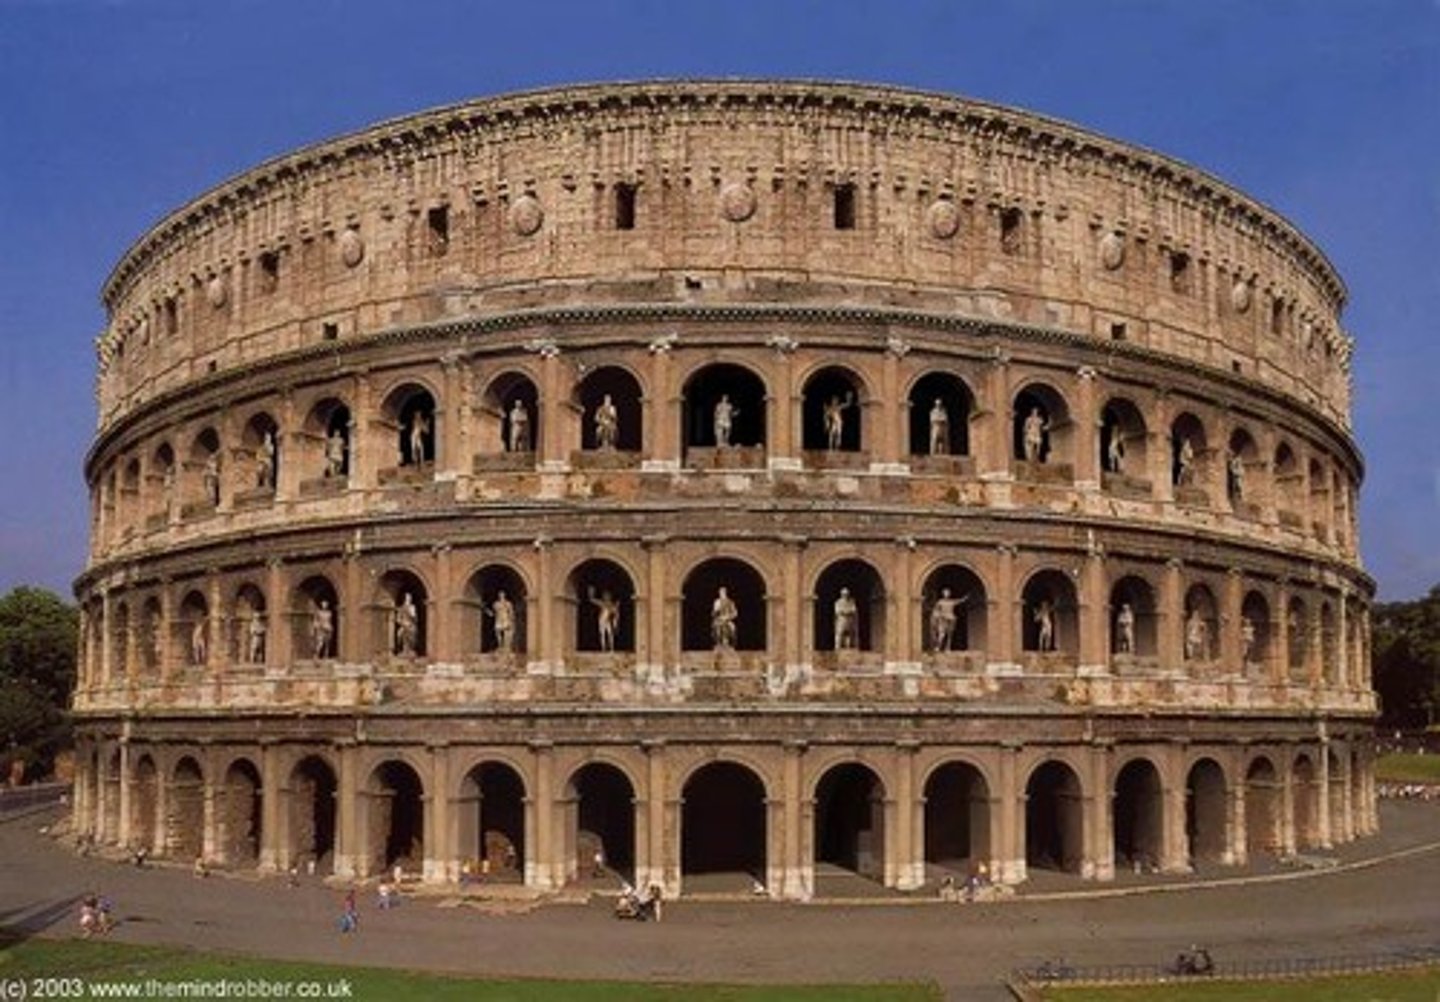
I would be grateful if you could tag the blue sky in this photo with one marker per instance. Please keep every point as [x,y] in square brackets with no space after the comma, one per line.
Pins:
[113,113]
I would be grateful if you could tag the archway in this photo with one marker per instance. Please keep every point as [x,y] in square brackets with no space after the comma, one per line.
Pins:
[250,628]
[1051,621]
[1040,426]
[190,633]
[1206,827]
[401,615]
[203,481]
[604,836]
[723,826]
[509,416]
[152,638]
[1139,816]
[600,592]
[701,625]
[327,442]
[1054,819]
[1262,807]
[719,394]
[241,814]
[315,613]
[185,821]
[850,820]
[162,488]
[492,830]
[409,414]
[1336,796]
[1305,793]
[1201,633]
[1124,442]
[144,827]
[120,644]
[395,820]
[1254,632]
[957,818]
[312,814]
[1189,456]
[1133,620]
[947,626]
[1241,466]
[940,409]
[608,399]
[497,614]
[1329,645]
[1298,626]
[833,412]
[260,449]
[849,607]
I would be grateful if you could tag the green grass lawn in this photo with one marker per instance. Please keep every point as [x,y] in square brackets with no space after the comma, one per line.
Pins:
[108,961]
[1401,986]
[1408,769]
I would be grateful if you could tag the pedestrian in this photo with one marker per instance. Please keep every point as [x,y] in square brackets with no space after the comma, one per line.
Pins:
[599,868]
[655,896]
[350,918]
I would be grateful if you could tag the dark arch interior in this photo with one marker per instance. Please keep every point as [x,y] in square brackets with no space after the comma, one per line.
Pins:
[723,821]
[1049,406]
[970,615]
[313,790]
[1187,427]
[1139,813]
[333,418]
[146,799]
[746,589]
[831,384]
[1205,826]
[850,820]
[957,817]
[1054,819]
[308,596]
[952,394]
[1055,588]
[1305,784]
[602,576]
[704,390]
[1256,611]
[869,594]
[1262,808]
[624,393]
[605,819]
[394,586]
[397,818]
[485,587]
[186,820]
[1123,426]
[501,397]
[242,813]
[1140,596]
[416,402]
[495,830]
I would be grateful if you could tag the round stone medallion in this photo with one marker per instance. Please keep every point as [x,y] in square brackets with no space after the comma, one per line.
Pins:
[216,292]
[1240,296]
[737,202]
[352,248]
[944,219]
[526,215]
[1112,251]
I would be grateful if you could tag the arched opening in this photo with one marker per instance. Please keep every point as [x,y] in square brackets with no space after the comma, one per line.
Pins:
[326,444]
[608,399]
[1305,793]
[604,837]
[1298,624]
[260,452]
[957,819]
[395,821]
[1329,645]
[722,827]
[191,631]
[724,606]
[1336,795]
[408,414]
[313,791]
[1287,486]
[315,611]
[1202,625]
[1262,807]
[1041,428]
[849,607]
[940,409]
[492,831]
[130,491]
[250,627]
[146,798]
[832,412]
[120,644]
[152,639]
[850,820]
[1124,446]
[110,792]
[161,486]
[1242,467]
[1189,457]
[401,615]
[954,606]
[723,415]
[185,824]
[1051,621]
[1206,830]
[1319,500]
[1254,632]
[509,417]
[496,611]
[203,479]
[601,601]
[241,814]
[1133,621]
[1139,817]
[1054,819]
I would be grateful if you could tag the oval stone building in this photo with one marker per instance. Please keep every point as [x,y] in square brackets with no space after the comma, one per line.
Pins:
[736,481]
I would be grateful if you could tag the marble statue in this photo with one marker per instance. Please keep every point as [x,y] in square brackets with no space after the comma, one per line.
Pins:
[939,429]
[1184,462]
[519,437]
[607,617]
[607,424]
[1115,451]
[167,487]
[1044,618]
[1125,629]
[835,420]
[1033,435]
[255,635]
[265,462]
[419,428]
[944,618]
[1236,467]
[723,617]
[322,629]
[847,622]
[199,637]
[725,413]
[407,626]
[1197,636]
[335,454]
[502,611]
[1247,639]
[211,478]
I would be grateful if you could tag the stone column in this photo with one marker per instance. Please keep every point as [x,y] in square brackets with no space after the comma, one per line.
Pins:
[902,648]
[1094,614]
[554,399]
[279,647]
[794,604]
[289,445]
[783,438]
[907,847]
[442,856]
[1098,840]
[274,854]
[1343,679]
[1287,807]
[792,882]
[1280,641]
[1322,796]
[546,871]
[1087,431]
[351,837]
[127,796]
[650,868]
[663,444]
[997,416]
[443,643]
[1170,618]
[1237,846]
[210,842]
[1160,450]
[545,644]
[354,606]
[165,639]
[652,646]
[365,452]
[1003,618]
[217,650]
[1175,855]
[1232,612]
[107,643]
[887,450]
[447,424]
[1008,849]
[1347,800]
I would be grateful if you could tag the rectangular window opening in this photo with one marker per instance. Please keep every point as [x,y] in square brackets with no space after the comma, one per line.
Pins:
[1277,316]
[844,206]
[172,316]
[330,331]
[1010,230]
[270,268]
[438,220]
[1117,332]
[1180,271]
[624,206]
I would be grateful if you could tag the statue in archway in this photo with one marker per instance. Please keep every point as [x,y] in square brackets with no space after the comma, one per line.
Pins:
[265,462]
[199,640]
[847,622]
[1032,435]
[1235,465]
[607,617]
[518,439]
[944,617]
[334,454]
[725,413]
[1115,451]
[167,487]
[419,428]
[1247,639]
[835,419]
[407,626]
[607,424]
[723,617]
[502,611]
[210,477]
[1125,629]
[1197,636]
[939,429]
[1184,461]
[255,639]
[322,629]
[1044,619]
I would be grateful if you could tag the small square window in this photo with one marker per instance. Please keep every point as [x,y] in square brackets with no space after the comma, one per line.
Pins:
[1010,230]
[1180,272]
[624,206]
[437,221]
[844,206]
[1118,332]
[330,331]
[269,270]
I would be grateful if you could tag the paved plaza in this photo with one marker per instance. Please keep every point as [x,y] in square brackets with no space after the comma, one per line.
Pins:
[965,948]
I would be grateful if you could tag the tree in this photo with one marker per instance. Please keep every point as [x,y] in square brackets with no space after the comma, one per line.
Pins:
[39,637]
[1407,661]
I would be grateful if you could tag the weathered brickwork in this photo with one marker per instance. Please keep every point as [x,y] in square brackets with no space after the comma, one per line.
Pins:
[1092,398]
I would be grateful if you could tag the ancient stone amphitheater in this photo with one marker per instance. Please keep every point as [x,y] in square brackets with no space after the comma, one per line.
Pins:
[756,484]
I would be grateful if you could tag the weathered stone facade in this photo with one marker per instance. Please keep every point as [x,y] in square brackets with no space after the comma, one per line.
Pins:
[1098,396]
